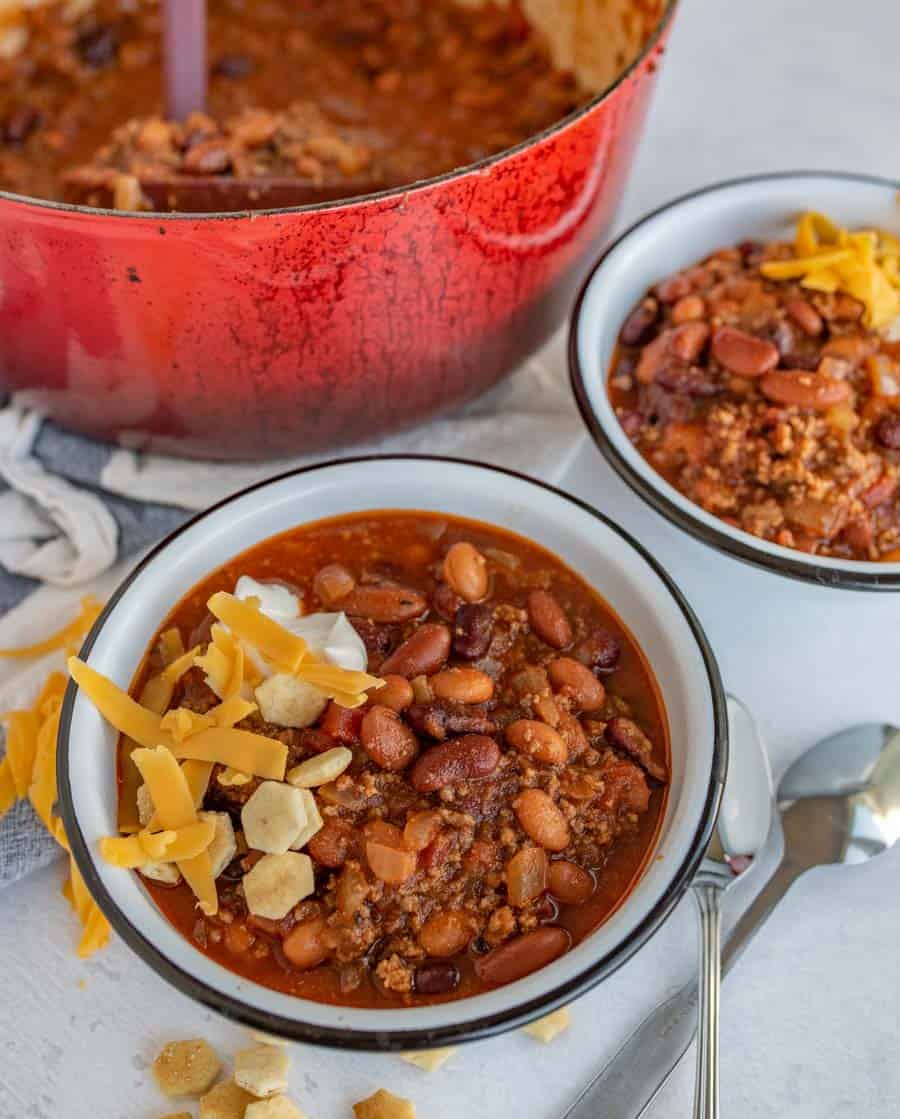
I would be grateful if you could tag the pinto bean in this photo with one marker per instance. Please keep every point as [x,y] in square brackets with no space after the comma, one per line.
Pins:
[465,569]
[638,327]
[384,603]
[570,883]
[421,654]
[387,740]
[653,357]
[538,741]
[626,735]
[331,583]
[526,875]
[304,946]
[446,933]
[393,865]
[801,389]
[463,685]
[571,678]
[421,829]
[436,978]
[468,758]
[548,619]
[397,693]
[688,308]
[743,353]
[521,956]
[600,650]
[689,339]
[473,628]
[542,820]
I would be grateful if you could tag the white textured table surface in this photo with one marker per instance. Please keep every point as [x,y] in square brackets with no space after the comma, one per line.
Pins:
[810,1012]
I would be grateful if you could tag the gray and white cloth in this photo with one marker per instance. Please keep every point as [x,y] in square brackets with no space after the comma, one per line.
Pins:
[74,512]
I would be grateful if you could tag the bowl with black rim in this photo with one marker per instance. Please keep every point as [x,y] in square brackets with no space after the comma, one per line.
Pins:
[673,237]
[643,596]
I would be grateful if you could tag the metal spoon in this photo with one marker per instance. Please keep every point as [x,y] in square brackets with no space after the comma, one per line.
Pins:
[741,831]
[838,803]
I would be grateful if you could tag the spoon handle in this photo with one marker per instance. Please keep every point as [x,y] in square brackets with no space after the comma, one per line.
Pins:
[631,1080]
[706,1089]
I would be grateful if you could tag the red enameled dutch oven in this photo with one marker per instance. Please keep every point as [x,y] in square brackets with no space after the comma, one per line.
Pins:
[289,331]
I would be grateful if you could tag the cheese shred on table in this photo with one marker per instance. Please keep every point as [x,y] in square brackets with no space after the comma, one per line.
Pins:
[29,768]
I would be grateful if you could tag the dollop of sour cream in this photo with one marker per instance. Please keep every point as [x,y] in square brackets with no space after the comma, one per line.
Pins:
[329,636]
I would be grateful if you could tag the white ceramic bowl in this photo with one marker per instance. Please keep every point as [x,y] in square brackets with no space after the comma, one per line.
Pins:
[638,590]
[681,233]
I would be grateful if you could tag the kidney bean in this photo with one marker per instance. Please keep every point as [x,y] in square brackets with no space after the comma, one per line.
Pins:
[397,693]
[526,876]
[570,883]
[446,933]
[600,650]
[538,741]
[234,65]
[468,758]
[332,582]
[385,603]
[446,601]
[20,124]
[887,431]
[304,946]
[436,979]
[802,389]
[332,843]
[387,739]
[653,357]
[624,734]
[521,956]
[98,46]
[571,678]
[463,685]
[548,619]
[805,316]
[465,569]
[542,820]
[342,723]
[688,308]
[688,340]
[421,654]
[687,380]
[212,157]
[743,353]
[442,718]
[473,628]
[638,327]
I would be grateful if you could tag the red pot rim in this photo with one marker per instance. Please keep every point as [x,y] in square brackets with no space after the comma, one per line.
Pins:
[383,195]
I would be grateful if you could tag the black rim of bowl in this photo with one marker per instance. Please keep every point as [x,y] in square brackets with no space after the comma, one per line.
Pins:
[662,25]
[391,1040]
[844,578]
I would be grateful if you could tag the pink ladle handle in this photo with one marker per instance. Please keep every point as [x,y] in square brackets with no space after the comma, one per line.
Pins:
[185,54]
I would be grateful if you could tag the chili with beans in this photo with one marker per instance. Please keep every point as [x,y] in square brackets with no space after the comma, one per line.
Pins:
[345,96]
[769,404]
[507,781]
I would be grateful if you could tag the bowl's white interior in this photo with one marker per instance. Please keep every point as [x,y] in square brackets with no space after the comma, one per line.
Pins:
[683,234]
[598,553]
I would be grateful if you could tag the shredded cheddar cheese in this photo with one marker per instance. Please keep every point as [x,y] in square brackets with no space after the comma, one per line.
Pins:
[29,766]
[864,265]
[281,648]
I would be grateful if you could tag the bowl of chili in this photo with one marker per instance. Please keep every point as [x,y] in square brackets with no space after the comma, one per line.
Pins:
[650,740]
[456,187]
[767,432]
